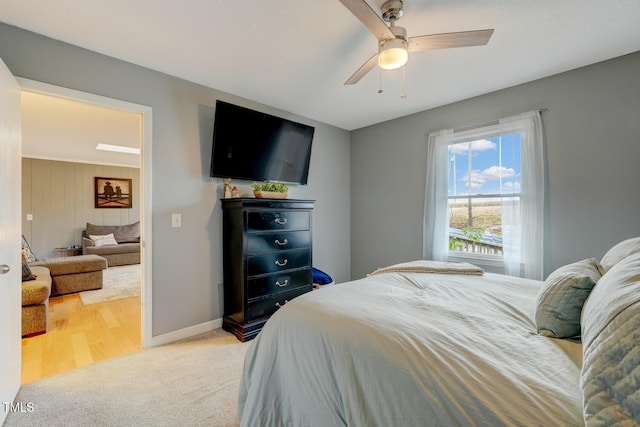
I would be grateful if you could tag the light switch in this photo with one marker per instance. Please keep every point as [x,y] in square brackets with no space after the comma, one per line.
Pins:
[176,220]
[29,217]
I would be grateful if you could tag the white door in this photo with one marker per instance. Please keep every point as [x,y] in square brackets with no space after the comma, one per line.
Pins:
[10,240]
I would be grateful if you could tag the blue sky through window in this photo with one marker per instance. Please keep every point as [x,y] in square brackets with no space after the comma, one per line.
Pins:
[494,166]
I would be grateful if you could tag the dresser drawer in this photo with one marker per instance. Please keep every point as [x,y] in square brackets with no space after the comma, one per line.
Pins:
[276,262]
[267,306]
[278,220]
[280,241]
[266,285]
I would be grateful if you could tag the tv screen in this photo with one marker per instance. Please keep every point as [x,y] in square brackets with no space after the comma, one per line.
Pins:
[255,146]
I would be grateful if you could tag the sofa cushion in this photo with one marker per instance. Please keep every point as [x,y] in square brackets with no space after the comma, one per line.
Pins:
[38,290]
[72,264]
[122,233]
[122,248]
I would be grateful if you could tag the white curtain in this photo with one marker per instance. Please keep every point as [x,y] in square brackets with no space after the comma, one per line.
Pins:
[436,212]
[523,223]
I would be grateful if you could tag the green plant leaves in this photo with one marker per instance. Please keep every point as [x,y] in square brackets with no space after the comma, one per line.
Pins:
[277,187]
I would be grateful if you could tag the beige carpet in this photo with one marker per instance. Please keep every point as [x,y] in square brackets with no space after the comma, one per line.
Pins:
[190,383]
[117,282]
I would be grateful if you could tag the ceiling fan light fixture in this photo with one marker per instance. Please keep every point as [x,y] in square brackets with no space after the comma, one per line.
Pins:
[392,54]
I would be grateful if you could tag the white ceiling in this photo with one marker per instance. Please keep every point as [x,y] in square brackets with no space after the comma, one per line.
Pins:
[56,128]
[296,54]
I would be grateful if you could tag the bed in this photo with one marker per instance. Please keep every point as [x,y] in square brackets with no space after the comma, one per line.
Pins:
[417,346]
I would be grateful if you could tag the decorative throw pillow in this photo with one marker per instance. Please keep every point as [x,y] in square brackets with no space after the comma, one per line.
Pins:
[560,301]
[27,253]
[106,240]
[27,275]
[618,253]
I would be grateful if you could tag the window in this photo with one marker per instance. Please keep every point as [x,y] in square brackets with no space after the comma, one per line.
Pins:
[484,195]
[483,174]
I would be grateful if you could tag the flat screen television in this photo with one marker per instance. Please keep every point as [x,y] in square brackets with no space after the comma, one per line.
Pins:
[255,146]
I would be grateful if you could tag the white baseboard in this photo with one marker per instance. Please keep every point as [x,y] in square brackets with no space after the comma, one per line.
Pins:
[189,332]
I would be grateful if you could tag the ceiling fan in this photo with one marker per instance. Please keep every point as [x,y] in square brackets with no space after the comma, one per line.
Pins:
[394,46]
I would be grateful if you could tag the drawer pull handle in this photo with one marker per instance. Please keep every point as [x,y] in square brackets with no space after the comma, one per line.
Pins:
[282,305]
[283,284]
[281,221]
[279,243]
[283,263]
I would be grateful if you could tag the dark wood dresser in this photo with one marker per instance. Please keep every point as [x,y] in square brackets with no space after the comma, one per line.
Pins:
[267,251]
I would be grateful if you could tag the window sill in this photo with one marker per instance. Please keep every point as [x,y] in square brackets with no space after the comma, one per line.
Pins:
[484,260]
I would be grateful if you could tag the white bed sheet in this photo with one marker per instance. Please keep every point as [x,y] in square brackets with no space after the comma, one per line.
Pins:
[403,349]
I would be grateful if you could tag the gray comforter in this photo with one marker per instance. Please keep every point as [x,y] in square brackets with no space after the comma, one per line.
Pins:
[411,349]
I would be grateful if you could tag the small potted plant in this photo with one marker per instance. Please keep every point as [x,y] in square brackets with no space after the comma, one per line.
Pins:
[270,190]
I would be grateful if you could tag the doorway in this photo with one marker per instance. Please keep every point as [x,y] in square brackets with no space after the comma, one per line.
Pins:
[30,87]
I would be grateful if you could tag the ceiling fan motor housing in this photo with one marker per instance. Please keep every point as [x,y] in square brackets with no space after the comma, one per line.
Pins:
[392,10]
[399,32]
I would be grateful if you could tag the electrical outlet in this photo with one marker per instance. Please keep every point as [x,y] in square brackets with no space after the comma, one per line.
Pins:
[176,220]
[29,217]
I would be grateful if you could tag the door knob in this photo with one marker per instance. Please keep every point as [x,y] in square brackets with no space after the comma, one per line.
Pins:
[4,269]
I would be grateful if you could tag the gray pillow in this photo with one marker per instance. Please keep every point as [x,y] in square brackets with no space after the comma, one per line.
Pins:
[560,301]
[27,275]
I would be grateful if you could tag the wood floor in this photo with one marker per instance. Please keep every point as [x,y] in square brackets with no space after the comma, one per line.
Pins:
[79,335]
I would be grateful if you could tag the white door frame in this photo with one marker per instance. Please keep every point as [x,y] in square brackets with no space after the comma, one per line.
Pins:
[145,187]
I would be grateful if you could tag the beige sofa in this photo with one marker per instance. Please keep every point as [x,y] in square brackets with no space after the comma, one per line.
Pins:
[127,237]
[35,301]
[53,277]
[73,273]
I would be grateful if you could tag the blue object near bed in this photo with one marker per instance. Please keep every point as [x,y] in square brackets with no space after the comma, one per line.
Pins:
[321,278]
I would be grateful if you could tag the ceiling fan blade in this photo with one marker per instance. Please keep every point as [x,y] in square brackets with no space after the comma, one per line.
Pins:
[363,70]
[370,19]
[449,40]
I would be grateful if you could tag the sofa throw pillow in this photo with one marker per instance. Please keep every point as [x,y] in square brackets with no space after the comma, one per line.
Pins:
[106,240]
[559,303]
[27,275]
[27,253]
[619,252]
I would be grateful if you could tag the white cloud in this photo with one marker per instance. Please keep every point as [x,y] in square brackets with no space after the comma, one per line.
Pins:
[477,180]
[494,173]
[477,145]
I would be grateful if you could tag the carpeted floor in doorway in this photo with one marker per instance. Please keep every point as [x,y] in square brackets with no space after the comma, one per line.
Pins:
[189,383]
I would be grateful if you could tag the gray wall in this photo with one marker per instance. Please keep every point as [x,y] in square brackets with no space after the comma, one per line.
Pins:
[60,196]
[187,264]
[593,147]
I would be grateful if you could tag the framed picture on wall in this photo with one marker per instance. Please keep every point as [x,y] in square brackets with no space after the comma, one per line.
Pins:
[113,193]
